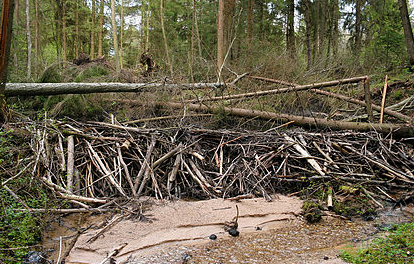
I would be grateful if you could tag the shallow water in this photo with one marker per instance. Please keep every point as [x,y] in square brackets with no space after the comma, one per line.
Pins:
[293,242]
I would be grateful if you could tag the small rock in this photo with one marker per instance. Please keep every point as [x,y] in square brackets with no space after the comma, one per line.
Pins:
[234,232]
[325,257]
[258,228]
[213,237]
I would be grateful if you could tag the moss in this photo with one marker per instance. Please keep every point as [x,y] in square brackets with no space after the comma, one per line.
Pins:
[397,247]
[312,211]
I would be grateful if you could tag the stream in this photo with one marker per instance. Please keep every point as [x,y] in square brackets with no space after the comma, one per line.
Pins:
[269,233]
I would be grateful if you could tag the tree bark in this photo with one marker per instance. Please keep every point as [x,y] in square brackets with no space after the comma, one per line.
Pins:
[397,130]
[220,36]
[5,38]
[121,37]
[36,44]
[147,27]
[29,42]
[32,89]
[64,31]
[165,37]
[308,34]
[322,28]
[408,32]
[290,29]
[92,48]
[250,23]
[335,28]
[77,29]
[100,34]
[357,46]
[114,33]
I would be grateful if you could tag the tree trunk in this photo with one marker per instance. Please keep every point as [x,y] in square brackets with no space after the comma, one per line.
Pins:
[121,37]
[100,34]
[77,29]
[357,45]
[32,89]
[200,54]
[92,48]
[308,34]
[193,32]
[165,37]
[408,32]
[114,33]
[29,42]
[335,28]
[395,129]
[220,36]
[323,4]
[36,44]
[5,38]
[250,23]
[147,27]
[315,25]
[64,30]
[290,29]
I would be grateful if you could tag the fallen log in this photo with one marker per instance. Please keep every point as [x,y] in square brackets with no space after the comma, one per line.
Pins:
[400,130]
[362,103]
[32,89]
[281,90]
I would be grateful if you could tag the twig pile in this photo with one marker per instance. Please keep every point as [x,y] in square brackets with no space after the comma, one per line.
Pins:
[112,160]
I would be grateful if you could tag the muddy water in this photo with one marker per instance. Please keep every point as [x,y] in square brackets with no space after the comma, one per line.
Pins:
[290,241]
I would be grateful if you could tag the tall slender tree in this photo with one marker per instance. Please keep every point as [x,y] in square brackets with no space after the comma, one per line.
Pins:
[121,37]
[100,34]
[5,39]
[408,32]
[29,41]
[250,23]
[165,37]
[92,47]
[64,47]
[308,33]
[76,28]
[290,29]
[220,36]
[36,24]
[357,45]
[114,33]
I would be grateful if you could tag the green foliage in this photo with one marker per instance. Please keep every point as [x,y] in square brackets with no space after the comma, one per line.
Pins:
[397,247]
[94,71]
[312,211]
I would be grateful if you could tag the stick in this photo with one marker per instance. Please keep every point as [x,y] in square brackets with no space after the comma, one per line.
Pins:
[305,153]
[368,100]
[330,201]
[113,253]
[173,174]
[124,166]
[281,90]
[60,250]
[71,164]
[384,95]
[158,118]
[145,164]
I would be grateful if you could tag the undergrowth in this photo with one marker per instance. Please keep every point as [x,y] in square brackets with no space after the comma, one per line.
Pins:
[397,247]
[20,230]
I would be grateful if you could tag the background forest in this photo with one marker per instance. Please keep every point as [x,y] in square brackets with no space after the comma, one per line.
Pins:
[343,37]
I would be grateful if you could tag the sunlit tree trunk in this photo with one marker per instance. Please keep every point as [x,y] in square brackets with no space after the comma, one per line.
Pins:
[164,36]
[100,34]
[64,31]
[5,38]
[16,29]
[29,41]
[114,33]
[408,32]
[92,49]
[193,18]
[290,30]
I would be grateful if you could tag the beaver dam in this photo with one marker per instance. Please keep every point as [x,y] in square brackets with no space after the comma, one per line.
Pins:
[111,169]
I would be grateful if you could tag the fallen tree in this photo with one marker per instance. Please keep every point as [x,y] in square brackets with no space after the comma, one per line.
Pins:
[400,130]
[281,90]
[31,89]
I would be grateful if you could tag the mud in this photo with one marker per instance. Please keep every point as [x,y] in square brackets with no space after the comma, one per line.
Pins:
[178,232]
